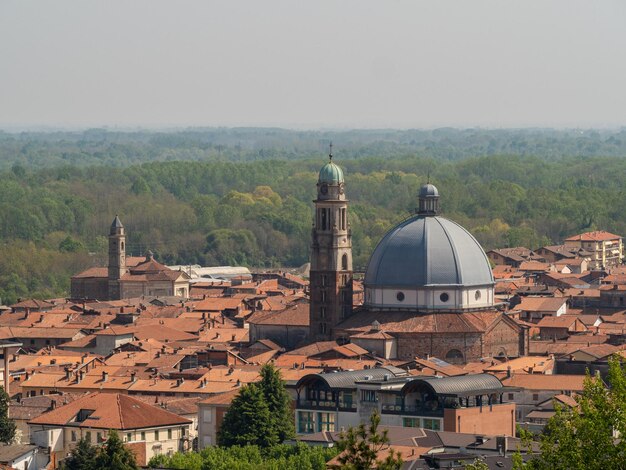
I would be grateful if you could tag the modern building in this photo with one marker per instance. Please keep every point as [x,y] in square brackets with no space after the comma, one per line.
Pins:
[125,278]
[606,249]
[466,403]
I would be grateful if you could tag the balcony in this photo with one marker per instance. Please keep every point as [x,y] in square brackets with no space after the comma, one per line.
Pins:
[410,410]
[325,405]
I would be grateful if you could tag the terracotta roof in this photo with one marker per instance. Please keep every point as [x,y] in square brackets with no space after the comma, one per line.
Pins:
[297,315]
[93,273]
[540,304]
[600,351]
[110,411]
[217,304]
[409,322]
[596,236]
[534,266]
[225,398]
[545,382]
[33,304]
[564,321]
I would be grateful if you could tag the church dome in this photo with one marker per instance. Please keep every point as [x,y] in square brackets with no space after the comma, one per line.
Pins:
[331,174]
[429,262]
[428,251]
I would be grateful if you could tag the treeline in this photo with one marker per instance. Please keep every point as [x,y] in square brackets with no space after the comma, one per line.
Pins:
[116,148]
[259,214]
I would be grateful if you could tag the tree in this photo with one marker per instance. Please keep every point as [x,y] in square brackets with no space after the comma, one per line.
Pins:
[278,402]
[114,455]
[585,437]
[81,457]
[248,420]
[7,425]
[361,447]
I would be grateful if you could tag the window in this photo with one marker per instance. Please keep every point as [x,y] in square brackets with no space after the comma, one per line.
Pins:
[88,436]
[477,295]
[411,422]
[156,435]
[169,433]
[400,296]
[444,297]
[326,421]
[323,280]
[344,262]
[305,422]
[73,436]
[535,397]
[323,328]
[129,437]
[511,396]
[432,424]
[368,396]
[100,438]
[322,312]
[454,355]
[323,296]
[208,416]
[143,435]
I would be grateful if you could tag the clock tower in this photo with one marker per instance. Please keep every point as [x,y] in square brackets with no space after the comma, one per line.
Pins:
[331,255]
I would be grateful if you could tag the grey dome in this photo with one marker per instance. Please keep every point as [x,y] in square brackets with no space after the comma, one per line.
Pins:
[428,251]
[429,190]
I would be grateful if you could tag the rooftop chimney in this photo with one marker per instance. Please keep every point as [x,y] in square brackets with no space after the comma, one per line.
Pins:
[105,375]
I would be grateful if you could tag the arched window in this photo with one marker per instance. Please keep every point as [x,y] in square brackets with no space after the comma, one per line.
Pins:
[454,356]
[344,262]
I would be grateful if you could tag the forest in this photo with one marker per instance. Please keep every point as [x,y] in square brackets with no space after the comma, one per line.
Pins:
[244,196]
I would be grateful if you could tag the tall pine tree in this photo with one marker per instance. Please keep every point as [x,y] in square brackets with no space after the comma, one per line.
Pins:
[278,401]
[248,420]
[81,457]
[114,455]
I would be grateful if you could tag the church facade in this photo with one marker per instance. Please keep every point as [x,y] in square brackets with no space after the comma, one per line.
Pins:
[125,278]
[429,288]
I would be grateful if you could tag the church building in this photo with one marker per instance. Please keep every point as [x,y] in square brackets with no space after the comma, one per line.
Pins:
[429,288]
[128,277]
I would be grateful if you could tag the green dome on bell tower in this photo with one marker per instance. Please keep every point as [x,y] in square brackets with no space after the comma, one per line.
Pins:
[331,173]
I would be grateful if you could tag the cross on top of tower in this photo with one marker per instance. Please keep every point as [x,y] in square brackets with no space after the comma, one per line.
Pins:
[330,152]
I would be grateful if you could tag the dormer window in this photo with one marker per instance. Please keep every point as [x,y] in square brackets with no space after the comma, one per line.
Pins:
[83,415]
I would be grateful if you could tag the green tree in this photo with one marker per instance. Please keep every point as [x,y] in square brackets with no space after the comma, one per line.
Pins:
[81,457]
[7,425]
[586,437]
[278,402]
[361,447]
[114,455]
[248,420]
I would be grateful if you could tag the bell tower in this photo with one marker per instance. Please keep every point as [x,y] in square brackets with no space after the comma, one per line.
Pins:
[331,255]
[117,258]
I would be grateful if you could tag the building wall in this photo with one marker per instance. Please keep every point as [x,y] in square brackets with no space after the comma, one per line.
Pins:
[491,420]
[90,288]
[473,297]
[285,335]
[210,418]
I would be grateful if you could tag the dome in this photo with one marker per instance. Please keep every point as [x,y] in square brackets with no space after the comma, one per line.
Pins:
[331,174]
[428,251]
[428,190]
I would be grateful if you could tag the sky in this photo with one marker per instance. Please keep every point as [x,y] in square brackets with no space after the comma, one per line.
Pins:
[312,64]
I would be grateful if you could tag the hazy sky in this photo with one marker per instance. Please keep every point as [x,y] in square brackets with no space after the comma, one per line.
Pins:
[315,63]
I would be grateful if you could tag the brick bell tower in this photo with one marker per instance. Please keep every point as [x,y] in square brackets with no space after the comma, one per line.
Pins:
[331,255]
[117,258]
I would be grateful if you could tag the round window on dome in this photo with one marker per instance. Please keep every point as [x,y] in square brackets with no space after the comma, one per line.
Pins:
[400,296]
[444,297]
[477,295]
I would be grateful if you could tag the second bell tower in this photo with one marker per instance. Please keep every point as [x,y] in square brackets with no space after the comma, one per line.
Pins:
[331,255]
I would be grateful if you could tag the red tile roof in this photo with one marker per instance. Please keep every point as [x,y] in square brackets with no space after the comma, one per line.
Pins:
[111,411]
[596,236]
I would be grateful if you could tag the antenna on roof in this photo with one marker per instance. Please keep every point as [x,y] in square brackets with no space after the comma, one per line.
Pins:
[330,151]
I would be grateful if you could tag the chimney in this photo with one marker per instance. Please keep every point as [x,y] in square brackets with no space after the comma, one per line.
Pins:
[105,376]
[68,373]
[79,378]
[238,383]
[133,376]
[233,337]
[509,374]
[231,369]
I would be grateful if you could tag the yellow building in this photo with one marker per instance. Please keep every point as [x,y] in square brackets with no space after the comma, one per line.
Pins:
[606,248]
